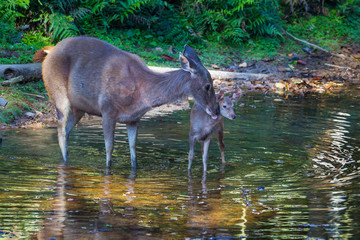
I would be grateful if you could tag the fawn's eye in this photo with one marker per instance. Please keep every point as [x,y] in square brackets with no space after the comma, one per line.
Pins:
[224,106]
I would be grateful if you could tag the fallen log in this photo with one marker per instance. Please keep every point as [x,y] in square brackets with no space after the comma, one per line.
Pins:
[32,71]
[221,75]
[29,71]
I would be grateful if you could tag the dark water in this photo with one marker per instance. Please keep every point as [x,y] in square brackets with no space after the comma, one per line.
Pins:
[292,172]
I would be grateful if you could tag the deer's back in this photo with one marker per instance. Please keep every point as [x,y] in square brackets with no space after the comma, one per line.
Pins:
[90,69]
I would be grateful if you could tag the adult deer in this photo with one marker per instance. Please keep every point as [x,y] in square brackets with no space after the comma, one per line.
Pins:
[84,74]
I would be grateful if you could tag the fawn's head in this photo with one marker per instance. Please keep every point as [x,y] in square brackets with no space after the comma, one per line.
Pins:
[227,108]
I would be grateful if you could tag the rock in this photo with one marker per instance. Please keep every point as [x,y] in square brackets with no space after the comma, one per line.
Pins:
[279,85]
[294,57]
[307,50]
[29,115]
[243,65]
[3,102]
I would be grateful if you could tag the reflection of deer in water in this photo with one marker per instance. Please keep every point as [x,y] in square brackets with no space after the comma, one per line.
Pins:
[65,223]
[203,127]
[54,225]
[206,211]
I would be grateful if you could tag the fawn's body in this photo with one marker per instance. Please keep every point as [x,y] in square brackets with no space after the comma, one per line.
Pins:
[203,127]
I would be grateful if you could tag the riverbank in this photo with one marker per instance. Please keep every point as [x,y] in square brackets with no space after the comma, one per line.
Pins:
[310,73]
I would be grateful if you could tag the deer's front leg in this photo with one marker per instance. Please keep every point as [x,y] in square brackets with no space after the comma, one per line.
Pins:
[109,129]
[132,129]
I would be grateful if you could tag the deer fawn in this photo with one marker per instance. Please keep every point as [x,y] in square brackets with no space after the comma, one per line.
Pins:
[203,127]
[84,74]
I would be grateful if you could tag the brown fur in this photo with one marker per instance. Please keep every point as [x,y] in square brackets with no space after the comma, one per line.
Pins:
[84,74]
[40,55]
[203,127]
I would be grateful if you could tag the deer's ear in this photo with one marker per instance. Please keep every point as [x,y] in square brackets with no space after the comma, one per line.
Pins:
[190,53]
[187,64]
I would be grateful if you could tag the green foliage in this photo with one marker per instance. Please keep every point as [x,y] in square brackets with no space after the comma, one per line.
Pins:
[35,40]
[351,12]
[8,16]
[18,102]
[329,31]
[236,20]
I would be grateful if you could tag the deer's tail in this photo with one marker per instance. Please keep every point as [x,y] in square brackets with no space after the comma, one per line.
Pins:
[41,54]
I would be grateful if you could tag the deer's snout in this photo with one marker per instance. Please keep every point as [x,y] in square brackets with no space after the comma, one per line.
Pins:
[233,116]
[217,112]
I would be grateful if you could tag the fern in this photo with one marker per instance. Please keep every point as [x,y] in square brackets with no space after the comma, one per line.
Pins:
[62,27]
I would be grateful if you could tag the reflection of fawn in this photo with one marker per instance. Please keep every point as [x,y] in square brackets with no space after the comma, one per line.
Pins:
[203,127]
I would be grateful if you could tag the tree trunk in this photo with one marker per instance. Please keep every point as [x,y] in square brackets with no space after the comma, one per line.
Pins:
[30,71]
[221,75]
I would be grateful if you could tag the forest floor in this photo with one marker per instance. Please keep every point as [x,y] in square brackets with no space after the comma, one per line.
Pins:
[312,73]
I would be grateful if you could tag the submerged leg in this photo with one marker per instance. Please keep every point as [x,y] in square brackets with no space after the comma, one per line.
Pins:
[109,129]
[191,151]
[221,145]
[132,129]
[67,118]
[205,153]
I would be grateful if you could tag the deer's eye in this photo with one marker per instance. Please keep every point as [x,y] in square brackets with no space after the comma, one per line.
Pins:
[207,87]
[224,106]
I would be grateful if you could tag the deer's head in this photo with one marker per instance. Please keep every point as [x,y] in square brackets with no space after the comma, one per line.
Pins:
[201,84]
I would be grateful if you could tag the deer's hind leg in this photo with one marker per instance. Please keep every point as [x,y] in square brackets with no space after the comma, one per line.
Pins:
[67,118]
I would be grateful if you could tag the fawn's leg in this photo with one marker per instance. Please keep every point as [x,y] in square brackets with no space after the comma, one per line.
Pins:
[206,145]
[191,151]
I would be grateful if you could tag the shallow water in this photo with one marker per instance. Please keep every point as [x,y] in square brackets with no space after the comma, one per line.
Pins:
[292,172]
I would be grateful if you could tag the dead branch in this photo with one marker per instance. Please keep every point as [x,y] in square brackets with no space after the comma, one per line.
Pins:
[33,95]
[336,66]
[12,81]
[316,46]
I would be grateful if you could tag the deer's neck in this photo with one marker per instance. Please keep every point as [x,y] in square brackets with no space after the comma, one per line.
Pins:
[168,87]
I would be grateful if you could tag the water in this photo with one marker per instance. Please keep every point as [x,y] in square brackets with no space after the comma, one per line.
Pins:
[292,172]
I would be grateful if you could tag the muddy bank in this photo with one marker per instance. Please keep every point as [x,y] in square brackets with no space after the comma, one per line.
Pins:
[311,73]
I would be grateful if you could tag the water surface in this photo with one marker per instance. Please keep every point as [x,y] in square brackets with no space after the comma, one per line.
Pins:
[292,173]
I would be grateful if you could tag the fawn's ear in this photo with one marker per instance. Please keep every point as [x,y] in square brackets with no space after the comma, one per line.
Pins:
[220,96]
[187,64]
